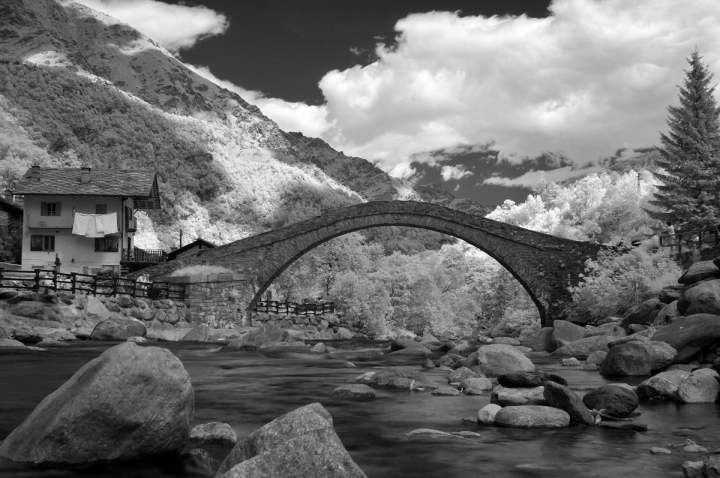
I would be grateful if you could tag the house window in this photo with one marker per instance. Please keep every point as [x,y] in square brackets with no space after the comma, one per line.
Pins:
[42,243]
[101,209]
[106,244]
[50,209]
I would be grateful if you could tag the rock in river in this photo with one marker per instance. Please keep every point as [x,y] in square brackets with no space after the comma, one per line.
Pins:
[498,359]
[614,400]
[560,396]
[129,403]
[663,386]
[398,377]
[532,416]
[355,391]
[700,386]
[213,433]
[266,333]
[117,328]
[302,443]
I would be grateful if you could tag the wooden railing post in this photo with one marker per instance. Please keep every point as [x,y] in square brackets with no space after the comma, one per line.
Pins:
[37,280]
[73,280]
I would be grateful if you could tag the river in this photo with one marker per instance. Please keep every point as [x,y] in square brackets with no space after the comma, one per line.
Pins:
[247,390]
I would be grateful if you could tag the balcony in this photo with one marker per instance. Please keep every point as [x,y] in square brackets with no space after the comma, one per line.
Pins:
[136,259]
[36,221]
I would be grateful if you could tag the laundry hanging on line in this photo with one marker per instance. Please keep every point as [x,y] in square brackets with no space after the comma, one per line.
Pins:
[95,225]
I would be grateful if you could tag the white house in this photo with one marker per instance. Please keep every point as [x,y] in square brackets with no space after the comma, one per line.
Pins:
[55,198]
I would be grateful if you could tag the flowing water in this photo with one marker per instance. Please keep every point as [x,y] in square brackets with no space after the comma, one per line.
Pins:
[247,390]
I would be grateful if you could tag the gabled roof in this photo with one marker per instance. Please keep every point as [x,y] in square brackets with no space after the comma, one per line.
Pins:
[141,185]
[196,243]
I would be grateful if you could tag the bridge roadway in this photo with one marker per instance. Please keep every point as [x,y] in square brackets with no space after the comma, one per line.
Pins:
[545,265]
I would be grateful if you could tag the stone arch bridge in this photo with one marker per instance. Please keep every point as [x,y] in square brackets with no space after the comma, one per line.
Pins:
[545,265]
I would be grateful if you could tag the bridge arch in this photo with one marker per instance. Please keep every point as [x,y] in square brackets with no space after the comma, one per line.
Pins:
[544,265]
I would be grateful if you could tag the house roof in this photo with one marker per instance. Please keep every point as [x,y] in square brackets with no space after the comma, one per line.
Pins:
[10,207]
[196,243]
[141,185]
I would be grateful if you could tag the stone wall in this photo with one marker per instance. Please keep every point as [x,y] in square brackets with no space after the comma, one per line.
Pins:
[215,299]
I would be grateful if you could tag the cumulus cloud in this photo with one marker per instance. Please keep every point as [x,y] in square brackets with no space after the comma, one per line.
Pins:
[592,77]
[454,172]
[532,178]
[173,26]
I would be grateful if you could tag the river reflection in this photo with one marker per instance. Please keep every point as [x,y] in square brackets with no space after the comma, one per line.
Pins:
[247,390]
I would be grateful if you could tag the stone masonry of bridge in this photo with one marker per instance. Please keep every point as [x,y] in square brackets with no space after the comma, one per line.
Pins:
[545,265]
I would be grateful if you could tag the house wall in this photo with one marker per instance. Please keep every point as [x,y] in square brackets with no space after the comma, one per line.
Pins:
[73,251]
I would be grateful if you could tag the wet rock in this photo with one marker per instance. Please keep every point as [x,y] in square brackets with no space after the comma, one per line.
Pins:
[528,379]
[118,329]
[486,415]
[571,362]
[692,447]
[320,348]
[712,466]
[636,359]
[659,451]
[127,404]
[253,340]
[693,469]
[517,396]
[425,434]
[451,360]
[354,391]
[213,433]
[446,391]
[532,416]
[613,400]
[662,387]
[690,336]
[629,426]
[201,333]
[560,396]
[27,337]
[565,332]
[198,462]
[541,340]
[580,349]
[11,343]
[700,386]
[398,377]
[596,358]
[497,359]
[461,374]
[477,383]
[300,443]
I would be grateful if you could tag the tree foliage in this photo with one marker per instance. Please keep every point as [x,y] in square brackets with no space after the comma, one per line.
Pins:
[689,193]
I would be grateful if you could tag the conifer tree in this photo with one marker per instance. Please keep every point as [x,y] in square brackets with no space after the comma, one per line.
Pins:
[689,195]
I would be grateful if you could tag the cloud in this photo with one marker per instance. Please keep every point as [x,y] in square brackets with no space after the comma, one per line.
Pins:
[591,78]
[454,172]
[532,178]
[173,26]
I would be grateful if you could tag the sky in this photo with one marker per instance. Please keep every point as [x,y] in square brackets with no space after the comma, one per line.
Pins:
[487,97]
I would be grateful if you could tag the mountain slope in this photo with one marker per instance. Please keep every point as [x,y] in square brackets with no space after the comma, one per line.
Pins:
[77,86]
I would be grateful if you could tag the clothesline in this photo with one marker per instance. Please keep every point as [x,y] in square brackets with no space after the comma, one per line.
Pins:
[95,225]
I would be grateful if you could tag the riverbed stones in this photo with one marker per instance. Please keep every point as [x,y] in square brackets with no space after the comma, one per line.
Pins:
[300,443]
[284,347]
[628,426]
[540,340]
[700,386]
[398,377]
[412,352]
[97,308]
[129,403]
[497,359]
[700,271]
[656,450]
[690,336]
[451,360]
[565,332]
[477,383]
[213,433]
[642,314]
[532,416]
[701,298]
[253,340]
[37,310]
[613,400]
[693,469]
[528,379]
[355,391]
[560,396]
[446,392]
[637,359]
[11,343]
[117,328]
[461,374]
[200,333]
[580,349]
[517,396]
[661,387]
[486,415]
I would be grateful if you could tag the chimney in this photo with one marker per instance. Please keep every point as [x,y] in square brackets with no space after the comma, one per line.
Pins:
[9,196]
[35,173]
[85,175]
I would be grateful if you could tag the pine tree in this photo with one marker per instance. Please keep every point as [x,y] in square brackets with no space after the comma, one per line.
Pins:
[689,195]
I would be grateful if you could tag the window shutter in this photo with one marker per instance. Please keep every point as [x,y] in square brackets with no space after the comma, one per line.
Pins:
[43,209]
[36,243]
[57,211]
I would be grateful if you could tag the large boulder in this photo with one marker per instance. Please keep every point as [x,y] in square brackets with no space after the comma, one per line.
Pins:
[670,294]
[701,298]
[540,340]
[613,400]
[517,396]
[497,359]
[36,310]
[398,377]
[117,328]
[96,308]
[667,315]
[565,332]
[532,416]
[662,387]
[700,386]
[253,340]
[636,358]
[201,333]
[486,415]
[642,314]
[560,396]
[700,271]
[300,443]
[129,403]
[213,433]
[582,348]
[609,328]
[690,336]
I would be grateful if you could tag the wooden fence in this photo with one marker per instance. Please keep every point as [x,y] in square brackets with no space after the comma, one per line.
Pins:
[88,284]
[687,241]
[274,307]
